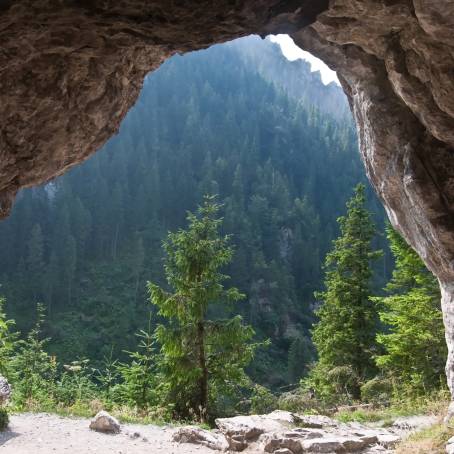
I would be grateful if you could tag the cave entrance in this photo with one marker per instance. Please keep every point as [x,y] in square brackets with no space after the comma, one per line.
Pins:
[274,139]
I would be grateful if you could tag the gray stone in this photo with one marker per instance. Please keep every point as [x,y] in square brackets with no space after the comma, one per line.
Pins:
[450,446]
[197,436]
[316,421]
[103,422]
[5,390]
[322,445]
[388,440]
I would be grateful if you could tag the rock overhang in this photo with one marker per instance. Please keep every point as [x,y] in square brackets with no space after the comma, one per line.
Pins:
[71,69]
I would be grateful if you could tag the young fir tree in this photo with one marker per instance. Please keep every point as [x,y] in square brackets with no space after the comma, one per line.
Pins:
[8,341]
[201,358]
[415,348]
[140,385]
[34,367]
[345,336]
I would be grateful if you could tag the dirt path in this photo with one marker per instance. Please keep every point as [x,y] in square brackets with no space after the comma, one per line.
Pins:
[50,434]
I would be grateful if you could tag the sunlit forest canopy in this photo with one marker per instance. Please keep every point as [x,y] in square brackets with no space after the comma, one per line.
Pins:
[238,120]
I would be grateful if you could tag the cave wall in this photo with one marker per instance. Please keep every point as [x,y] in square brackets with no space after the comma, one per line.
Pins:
[71,69]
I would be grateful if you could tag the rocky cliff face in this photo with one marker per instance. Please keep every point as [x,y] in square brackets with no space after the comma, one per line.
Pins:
[70,70]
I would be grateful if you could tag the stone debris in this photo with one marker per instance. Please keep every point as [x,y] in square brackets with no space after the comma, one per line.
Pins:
[103,422]
[5,390]
[410,423]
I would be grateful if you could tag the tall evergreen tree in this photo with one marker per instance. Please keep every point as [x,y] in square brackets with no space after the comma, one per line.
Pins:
[414,343]
[345,334]
[201,356]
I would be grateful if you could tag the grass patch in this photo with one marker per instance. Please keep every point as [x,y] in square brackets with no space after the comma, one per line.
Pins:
[429,405]
[431,440]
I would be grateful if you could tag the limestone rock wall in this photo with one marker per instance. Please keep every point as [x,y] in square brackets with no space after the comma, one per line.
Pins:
[71,69]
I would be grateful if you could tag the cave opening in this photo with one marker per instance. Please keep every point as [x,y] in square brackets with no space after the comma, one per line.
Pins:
[68,91]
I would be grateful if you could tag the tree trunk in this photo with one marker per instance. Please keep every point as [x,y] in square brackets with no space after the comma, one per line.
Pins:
[203,382]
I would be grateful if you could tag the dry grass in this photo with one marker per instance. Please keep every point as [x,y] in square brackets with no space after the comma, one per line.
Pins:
[428,441]
[433,439]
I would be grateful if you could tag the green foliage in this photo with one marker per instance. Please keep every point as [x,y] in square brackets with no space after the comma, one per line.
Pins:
[140,383]
[345,334]
[34,367]
[414,344]
[75,384]
[263,400]
[7,342]
[201,357]
[300,356]
[85,243]
[4,419]
[377,390]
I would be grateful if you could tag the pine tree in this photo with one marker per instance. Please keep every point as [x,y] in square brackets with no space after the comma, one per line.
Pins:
[201,356]
[345,334]
[414,343]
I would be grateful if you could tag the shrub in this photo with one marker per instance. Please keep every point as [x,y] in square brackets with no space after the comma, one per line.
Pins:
[300,401]
[263,400]
[4,419]
[377,391]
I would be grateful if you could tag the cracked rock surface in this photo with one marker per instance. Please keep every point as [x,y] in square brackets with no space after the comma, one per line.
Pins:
[71,69]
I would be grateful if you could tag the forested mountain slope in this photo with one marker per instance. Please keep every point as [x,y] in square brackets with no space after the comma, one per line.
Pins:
[215,121]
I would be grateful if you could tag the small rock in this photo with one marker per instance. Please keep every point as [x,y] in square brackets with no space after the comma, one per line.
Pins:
[316,421]
[103,422]
[450,446]
[354,444]
[5,390]
[283,451]
[322,445]
[202,437]
[274,442]
[388,440]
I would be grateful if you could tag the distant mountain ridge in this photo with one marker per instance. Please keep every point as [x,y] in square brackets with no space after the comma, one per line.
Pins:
[294,77]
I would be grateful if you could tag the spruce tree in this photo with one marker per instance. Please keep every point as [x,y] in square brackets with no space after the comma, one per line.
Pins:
[200,356]
[348,319]
[414,343]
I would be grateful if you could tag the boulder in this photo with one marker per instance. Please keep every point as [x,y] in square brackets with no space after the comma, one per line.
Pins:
[241,430]
[202,437]
[5,390]
[103,422]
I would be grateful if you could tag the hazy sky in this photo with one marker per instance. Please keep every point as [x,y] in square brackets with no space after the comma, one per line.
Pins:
[293,52]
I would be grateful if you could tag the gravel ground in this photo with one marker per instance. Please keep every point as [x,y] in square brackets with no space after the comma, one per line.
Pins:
[48,434]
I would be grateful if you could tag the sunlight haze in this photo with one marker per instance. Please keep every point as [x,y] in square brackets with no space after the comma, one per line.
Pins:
[292,52]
